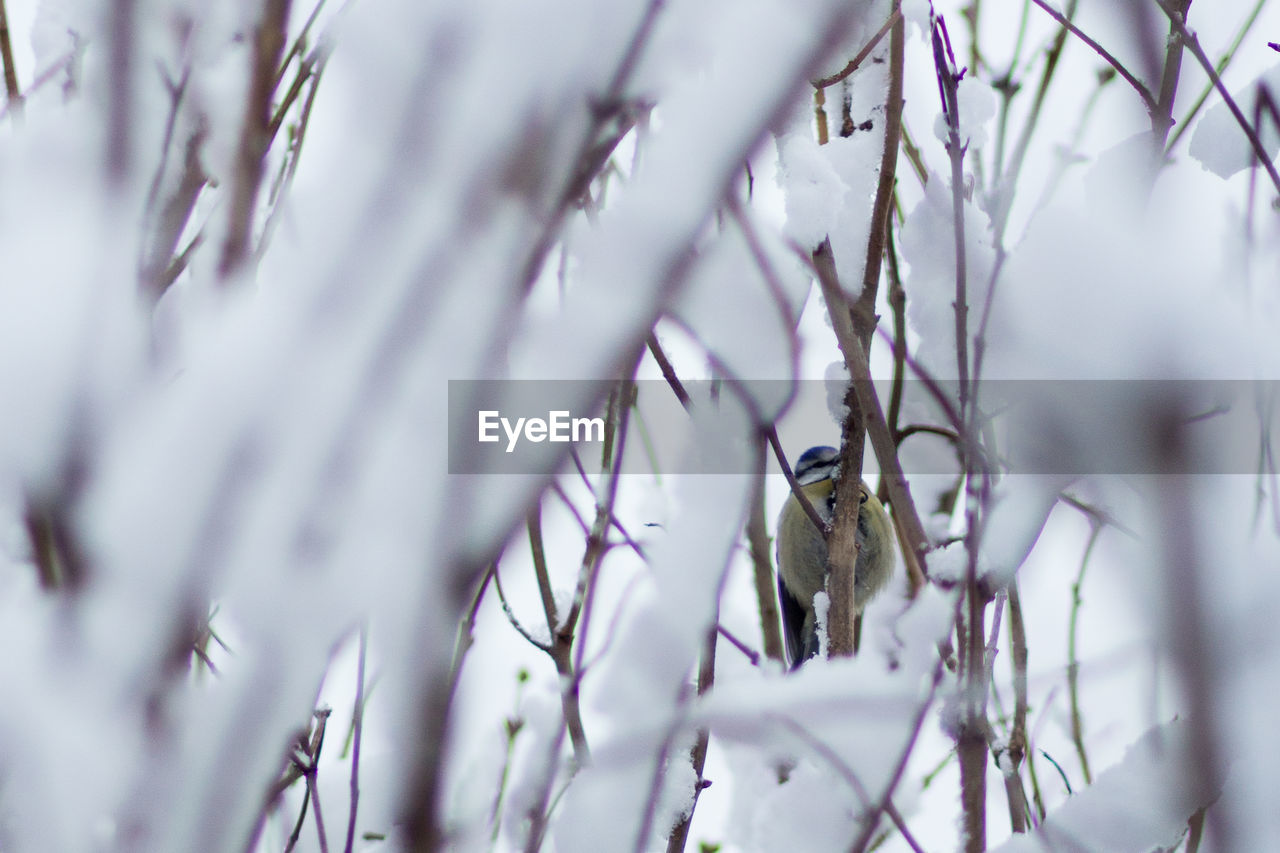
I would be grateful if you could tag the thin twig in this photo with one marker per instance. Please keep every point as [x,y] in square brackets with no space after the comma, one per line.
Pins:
[645,829]
[540,811]
[668,371]
[948,83]
[1017,742]
[12,94]
[597,145]
[294,152]
[832,758]
[246,179]
[357,724]
[1073,660]
[299,43]
[750,653]
[466,630]
[1007,180]
[1143,92]
[861,56]
[698,754]
[864,310]
[65,62]
[797,490]
[511,616]
[1162,114]
[560,647]
[315,798]
[882,805]
[1192,42]
[1221,67]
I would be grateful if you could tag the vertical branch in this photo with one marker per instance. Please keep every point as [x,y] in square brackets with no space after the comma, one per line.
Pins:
[758,544]
[246,179]
[1162,115]
[1008,179]
[12,95]
[159,269]
[1219,68]
[948,90]
[1018,648]
[904,508]
[1017,744]
[872,816]
[563,633]
[561,643]
[1073,660]
[419,810]
[842,543]
[972,737]
[864,310]
[698,754]
[1187,631]
[1192,43]
[120,108]
[357,725]
[820,114]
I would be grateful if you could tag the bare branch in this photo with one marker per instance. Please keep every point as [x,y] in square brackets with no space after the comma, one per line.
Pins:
[861,56]
[12,94]
[1189,39]
[698,754]
[357,725]
[246,178]
[1143,92]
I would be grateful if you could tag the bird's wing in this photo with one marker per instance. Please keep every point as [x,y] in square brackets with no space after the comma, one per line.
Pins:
[792,624]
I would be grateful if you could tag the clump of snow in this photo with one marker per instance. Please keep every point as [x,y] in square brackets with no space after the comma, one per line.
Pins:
[1220,143]
[977,105]
[814,190]
[1157,786]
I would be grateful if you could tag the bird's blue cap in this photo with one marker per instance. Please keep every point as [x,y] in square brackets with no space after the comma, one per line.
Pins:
[814,458]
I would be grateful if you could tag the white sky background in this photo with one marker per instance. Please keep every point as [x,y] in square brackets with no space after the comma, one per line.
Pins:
[1123,693]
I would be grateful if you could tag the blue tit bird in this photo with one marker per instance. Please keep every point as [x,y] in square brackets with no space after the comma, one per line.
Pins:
[802,551]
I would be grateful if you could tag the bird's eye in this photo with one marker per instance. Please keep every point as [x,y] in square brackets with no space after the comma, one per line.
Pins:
[864,498]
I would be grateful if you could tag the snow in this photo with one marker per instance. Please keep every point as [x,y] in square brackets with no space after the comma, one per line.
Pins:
[1159,791]
[977,104]
[814,191]
[1220,144]
[275,449]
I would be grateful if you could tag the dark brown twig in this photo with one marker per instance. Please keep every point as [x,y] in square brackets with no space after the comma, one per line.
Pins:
[246,178]
[762,564]
[12,94]
[904,510]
